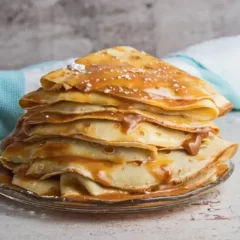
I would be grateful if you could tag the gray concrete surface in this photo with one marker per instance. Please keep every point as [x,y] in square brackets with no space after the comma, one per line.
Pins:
[33,31]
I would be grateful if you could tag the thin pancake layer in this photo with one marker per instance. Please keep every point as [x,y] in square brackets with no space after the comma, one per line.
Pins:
[63,112]
[22,152]
[174,167]
[110,132]
[43,188]
[203,109]
[129,74]
[75,186]
[70,190]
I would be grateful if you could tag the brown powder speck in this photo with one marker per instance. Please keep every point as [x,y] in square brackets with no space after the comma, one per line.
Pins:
[86,124]
[141,133]
[136,57]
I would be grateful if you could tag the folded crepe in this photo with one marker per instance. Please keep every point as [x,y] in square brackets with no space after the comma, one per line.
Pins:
[117,124]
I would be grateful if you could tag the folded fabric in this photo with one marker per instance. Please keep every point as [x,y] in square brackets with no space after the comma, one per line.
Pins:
[215,61]
[14,84]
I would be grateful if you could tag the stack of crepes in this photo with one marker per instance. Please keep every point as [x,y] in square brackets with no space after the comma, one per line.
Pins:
[118,124]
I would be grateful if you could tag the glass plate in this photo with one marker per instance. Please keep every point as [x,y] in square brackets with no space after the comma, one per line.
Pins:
[97,206]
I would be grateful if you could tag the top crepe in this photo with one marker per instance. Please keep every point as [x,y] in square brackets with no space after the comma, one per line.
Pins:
[129,74]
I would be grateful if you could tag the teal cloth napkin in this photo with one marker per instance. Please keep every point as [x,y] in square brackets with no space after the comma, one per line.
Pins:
[14,84]
[11,89]
[202,72]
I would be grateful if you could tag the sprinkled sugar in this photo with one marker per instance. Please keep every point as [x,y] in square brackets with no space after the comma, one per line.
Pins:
[77,67]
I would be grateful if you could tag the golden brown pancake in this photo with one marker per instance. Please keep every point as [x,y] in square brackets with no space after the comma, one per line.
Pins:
[129,74]
[64,111]
[173,167]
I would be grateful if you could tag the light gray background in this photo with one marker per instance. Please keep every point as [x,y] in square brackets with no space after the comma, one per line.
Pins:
[32,31]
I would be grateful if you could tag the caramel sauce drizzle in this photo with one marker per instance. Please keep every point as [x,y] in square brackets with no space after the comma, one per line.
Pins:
[130,122]
[108,74]
[193,144]
[161,169]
